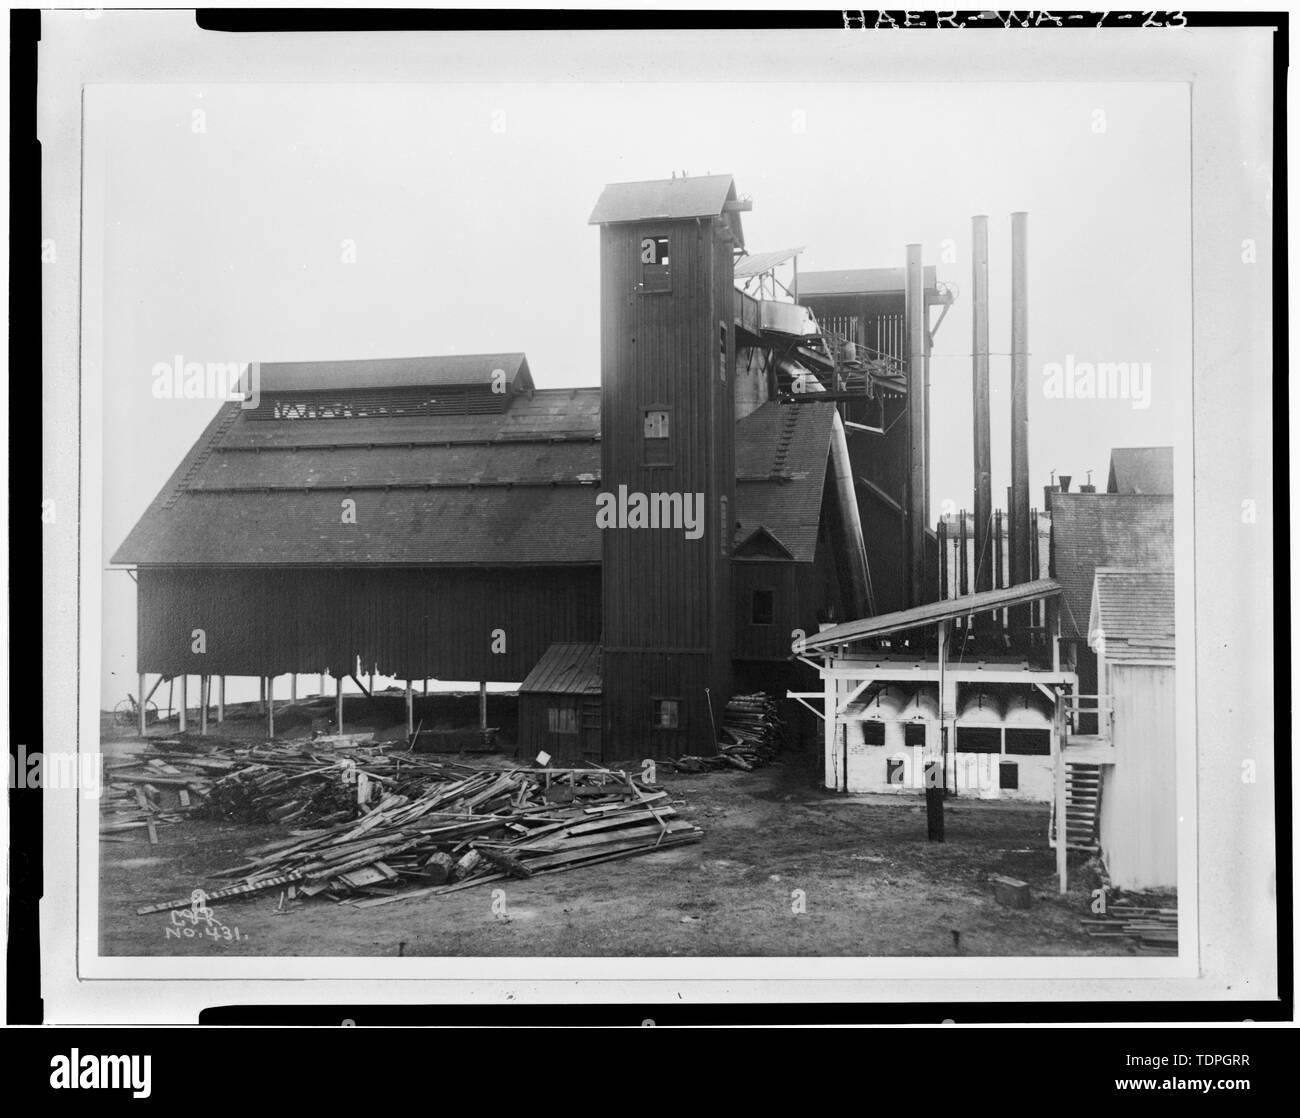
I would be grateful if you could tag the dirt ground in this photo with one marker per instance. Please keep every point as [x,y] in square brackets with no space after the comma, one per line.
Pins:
[785,868]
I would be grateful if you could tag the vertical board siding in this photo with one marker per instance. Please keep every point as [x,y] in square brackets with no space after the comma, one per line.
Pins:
[409,623]
[666,598]
[1139,808]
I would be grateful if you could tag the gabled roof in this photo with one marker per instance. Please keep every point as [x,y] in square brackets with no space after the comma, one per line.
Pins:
[781,452]
[932,613]
[397,372]
[1141,469]
[701,196]
[516,486]
[510,487]
[1132,615]
[565,669]
[668,199]
[1091,530]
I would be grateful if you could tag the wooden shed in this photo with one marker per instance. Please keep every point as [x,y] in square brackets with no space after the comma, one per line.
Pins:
[559,705]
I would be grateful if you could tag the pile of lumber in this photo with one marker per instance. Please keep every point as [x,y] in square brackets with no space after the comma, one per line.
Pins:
[1153,930]
[437,827]
[751,735]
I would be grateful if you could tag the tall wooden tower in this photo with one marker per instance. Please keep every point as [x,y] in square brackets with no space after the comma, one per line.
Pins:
[667,460]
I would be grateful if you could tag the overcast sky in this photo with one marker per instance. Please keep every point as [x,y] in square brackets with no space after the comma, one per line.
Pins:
[467,205]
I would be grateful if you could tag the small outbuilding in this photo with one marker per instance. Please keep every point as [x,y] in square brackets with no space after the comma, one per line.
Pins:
[559,705]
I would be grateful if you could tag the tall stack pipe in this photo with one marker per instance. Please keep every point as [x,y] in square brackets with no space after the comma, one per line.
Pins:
[916,433]
[1023,529]
[980,400]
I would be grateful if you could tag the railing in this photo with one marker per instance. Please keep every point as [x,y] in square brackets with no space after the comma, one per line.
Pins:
[1101,707]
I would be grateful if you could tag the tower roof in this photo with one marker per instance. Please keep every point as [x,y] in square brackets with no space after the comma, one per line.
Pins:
[672,199]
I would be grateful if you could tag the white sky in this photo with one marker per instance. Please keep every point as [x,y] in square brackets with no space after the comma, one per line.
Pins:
[225,245]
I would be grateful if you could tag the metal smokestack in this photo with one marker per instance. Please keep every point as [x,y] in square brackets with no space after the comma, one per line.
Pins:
[980,399]
[1024,530]
[916,433]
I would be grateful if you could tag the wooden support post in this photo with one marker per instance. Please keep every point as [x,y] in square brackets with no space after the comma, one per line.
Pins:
[321,689]
[183,725]
[293,687]
[338,704]
[482,705]
[221,698]
[142,703]
[204,683]
[426,687]
[261,694]
[934,788]
[270,706]
[1062,824]
[410,711]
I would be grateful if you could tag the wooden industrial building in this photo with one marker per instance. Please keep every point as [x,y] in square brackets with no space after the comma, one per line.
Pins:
[438,518]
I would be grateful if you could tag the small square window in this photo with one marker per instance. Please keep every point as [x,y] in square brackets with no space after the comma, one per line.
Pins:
[656,273]
[763,608]
[1008,775]
[562,720]
[873,733]
[656,444]
[656,424]
[667,714]
[914,733]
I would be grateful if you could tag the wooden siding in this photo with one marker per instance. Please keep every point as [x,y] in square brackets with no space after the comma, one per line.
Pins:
[1139,805]
[408,622]
[664,593]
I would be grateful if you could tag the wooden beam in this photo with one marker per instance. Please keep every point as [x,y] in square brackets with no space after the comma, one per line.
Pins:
[143,700]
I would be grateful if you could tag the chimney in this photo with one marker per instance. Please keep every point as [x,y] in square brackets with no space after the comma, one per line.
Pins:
[1089,488]
[1065,480]
[917,518]
[980,398]
[1023,529]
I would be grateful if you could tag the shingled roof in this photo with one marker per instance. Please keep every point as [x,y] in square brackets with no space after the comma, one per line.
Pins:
[511,487]
[781,452]
[1133,613]
[1091,530]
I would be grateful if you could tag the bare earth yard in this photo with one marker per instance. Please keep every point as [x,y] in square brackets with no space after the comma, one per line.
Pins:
[860,867]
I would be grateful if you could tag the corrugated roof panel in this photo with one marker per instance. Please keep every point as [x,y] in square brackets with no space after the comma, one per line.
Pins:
[934,612]
[759,262]
[565,669]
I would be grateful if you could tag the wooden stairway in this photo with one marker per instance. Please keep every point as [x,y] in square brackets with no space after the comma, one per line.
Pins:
[1082,808]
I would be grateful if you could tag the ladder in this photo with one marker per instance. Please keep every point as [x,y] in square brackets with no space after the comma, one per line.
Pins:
[1082,808]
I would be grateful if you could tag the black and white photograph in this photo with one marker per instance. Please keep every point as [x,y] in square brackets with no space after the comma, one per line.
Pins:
[765,509]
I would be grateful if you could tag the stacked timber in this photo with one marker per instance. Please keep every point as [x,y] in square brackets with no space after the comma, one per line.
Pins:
[752,733]
[442,828]
[1153,930]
